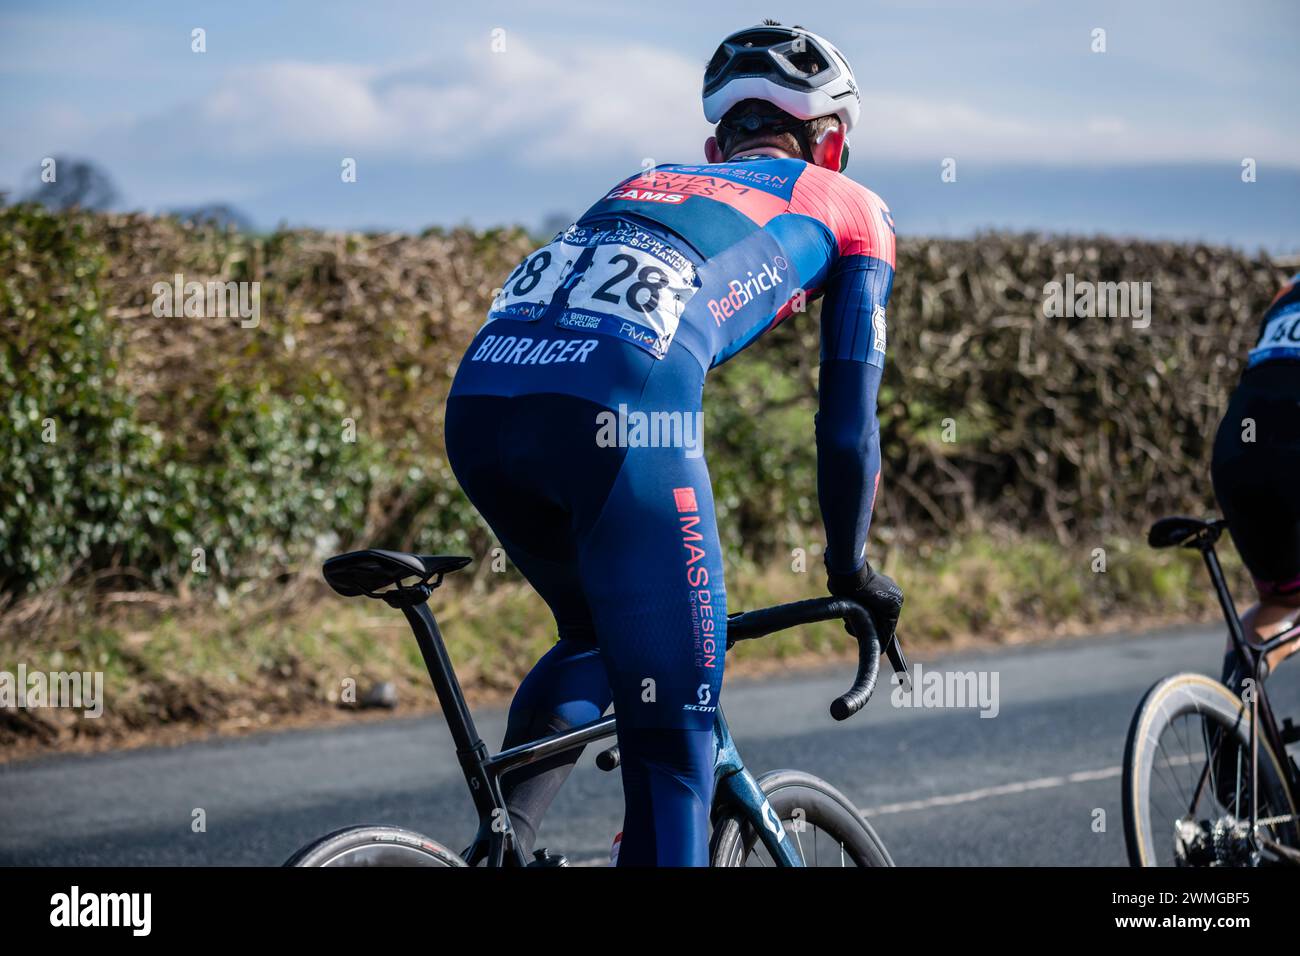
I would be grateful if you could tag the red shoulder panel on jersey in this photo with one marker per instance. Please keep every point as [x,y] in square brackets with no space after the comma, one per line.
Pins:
[857,217]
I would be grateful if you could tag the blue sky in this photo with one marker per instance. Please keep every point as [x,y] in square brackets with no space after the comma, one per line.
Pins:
[1146,138]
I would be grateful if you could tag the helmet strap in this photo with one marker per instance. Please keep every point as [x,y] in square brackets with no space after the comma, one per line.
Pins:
[801,134]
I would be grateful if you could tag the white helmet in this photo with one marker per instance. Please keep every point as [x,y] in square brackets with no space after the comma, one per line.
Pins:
[790,67]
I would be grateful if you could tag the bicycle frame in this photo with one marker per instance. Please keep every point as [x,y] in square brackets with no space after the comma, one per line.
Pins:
[495,842]
[1251,659]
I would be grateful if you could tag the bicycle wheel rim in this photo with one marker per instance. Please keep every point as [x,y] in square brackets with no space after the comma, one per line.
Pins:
[1187,778]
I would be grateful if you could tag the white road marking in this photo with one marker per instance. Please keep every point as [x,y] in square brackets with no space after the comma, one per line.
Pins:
[1042,783]
[1002,790]
[984,793]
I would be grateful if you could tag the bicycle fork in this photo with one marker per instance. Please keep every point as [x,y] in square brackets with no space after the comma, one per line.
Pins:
[736,785]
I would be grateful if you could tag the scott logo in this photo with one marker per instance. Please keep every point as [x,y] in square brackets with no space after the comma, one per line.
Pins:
[704,694]
[772,821]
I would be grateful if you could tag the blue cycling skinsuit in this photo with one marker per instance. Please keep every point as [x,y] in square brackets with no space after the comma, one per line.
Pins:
[573,426]
[1255,478]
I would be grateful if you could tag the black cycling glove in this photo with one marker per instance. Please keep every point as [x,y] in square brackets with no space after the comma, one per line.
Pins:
[878,593]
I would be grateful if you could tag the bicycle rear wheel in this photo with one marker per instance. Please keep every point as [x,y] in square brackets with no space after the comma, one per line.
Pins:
[826,828]
[374,846]
[1187,781]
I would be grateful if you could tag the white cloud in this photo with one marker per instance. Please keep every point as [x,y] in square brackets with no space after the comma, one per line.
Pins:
[566,102]
[545,104]
[911,127]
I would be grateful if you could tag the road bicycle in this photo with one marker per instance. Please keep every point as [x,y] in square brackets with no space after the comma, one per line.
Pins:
[782,818]
[1207,778]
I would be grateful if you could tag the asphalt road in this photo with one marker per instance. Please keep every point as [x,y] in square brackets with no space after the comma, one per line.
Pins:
[941,786]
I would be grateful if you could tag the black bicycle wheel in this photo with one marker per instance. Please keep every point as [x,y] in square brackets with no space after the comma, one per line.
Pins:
[374,846]
[826,828]
[1187,782]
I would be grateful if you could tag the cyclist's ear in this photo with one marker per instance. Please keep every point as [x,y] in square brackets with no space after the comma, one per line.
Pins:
[830,148]
[712,151]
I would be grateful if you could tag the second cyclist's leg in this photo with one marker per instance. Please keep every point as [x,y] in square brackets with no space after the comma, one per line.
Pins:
[1254,475]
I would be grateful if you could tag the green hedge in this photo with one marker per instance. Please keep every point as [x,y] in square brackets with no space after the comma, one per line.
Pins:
[257,478]
[172,434]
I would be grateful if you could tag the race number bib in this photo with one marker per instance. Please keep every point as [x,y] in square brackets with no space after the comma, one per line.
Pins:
[634,289]
[528,290]
[1281,338]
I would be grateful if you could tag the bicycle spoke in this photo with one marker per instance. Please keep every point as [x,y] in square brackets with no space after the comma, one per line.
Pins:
[1170,780]
[1209,772]
[1173,725]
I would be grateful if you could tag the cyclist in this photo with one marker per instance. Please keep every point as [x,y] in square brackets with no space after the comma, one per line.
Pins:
[571,423]
[1256,460]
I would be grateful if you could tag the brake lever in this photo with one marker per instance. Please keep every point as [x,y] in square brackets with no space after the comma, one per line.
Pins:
[898,660]
[893,649]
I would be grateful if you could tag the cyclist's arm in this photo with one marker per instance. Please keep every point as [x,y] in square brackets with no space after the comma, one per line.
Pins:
[848,434]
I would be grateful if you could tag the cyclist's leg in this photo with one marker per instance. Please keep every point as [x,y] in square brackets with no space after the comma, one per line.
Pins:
[634,519]
[653,569]
[504,453]
[566,688]
[1255,467]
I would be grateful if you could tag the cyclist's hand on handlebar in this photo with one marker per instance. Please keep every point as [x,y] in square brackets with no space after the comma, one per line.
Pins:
[877,592]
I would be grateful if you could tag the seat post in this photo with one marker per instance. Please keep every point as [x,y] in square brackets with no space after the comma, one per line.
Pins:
[1225,597]
[445,684]
[485,789]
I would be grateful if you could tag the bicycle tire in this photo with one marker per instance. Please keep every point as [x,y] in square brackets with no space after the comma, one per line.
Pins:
[1168,699]
[736,842]
[374,846]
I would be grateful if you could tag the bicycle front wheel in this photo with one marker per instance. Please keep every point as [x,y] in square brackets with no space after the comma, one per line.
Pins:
[826,828]
[374,846]
[1187,780]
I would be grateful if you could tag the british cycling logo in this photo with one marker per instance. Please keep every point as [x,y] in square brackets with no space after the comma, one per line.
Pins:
[31,690]
[744,291]
[651,429]
[103,909]
[940,690]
